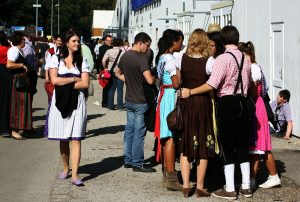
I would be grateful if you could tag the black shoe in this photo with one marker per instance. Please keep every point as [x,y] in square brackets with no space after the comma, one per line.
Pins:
[127,166]
[104,106]
[143,169]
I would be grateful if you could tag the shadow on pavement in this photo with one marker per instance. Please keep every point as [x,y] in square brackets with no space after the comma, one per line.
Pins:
[39,118]
[105,130]
[39,133]
[93,116]
[105,166]
[37,109]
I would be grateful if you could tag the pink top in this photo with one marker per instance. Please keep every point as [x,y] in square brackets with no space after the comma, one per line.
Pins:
[225,73]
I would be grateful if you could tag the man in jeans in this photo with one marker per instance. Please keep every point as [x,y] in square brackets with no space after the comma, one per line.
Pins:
[134,69]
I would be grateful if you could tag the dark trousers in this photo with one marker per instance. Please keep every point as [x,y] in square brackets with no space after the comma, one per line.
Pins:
[115,84]
[233,120]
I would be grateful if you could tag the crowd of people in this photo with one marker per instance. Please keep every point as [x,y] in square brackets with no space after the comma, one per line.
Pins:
[220,87]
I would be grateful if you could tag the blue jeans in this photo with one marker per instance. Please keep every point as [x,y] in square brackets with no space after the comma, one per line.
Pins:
[135,132]
[115,84]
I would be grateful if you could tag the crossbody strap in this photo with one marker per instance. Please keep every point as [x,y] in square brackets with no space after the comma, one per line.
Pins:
[115,62]
[240,68]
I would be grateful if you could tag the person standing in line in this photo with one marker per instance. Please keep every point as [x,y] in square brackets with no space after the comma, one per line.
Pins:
[260,137]
[57,39]
[169,74]
[87,53]
[198,140]
[134,69]
[55,49]
[109,63]
[5,87]
[69,73]
[20,102]
[126,47]
[108,40]
[30,56]
[41,48]
[233,110]
[96,54]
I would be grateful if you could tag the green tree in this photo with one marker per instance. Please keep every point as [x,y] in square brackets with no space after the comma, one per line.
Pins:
[72,14]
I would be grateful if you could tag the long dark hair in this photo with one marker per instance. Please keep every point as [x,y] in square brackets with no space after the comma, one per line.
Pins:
[3,39]
[248,48]
[166,42]
[215,37]
[77,55]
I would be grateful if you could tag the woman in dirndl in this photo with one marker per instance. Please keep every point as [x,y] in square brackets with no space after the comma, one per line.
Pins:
[5,88]
[69,70]
[20,117]
[168,73]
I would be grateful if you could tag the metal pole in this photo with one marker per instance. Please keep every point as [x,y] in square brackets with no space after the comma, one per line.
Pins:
[58,17]
[52,18]
[36,18]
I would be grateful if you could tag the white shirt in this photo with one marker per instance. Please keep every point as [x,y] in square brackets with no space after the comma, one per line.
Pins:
[13,53]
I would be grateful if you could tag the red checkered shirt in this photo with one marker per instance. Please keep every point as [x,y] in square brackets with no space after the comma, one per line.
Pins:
[225,73]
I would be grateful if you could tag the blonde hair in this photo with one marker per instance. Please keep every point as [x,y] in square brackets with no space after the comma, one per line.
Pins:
[199,44]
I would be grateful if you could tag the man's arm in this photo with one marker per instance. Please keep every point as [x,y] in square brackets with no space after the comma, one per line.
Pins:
[289,130]
[119,74]
[149,78]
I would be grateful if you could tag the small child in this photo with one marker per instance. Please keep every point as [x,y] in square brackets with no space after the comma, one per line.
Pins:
[282,114]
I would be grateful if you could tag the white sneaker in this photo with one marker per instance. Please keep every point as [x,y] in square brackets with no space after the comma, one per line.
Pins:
[271,182]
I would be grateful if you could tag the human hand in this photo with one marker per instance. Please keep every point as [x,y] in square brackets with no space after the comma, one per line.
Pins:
[47,80]
[185,92]
[76,79]
[26,69]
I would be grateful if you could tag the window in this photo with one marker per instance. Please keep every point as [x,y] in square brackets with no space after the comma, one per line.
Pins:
[150,16]
[167,21]
[183,6]
[167,11]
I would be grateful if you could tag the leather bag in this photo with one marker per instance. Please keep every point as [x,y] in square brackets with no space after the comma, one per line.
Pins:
[175,118]
[22,83]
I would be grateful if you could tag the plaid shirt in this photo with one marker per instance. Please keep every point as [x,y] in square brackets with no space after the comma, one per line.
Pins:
[225,73]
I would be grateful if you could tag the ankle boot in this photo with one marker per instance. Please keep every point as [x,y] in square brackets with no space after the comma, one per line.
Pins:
[172,183]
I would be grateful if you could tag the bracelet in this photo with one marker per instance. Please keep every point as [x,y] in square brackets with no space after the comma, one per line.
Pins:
[190,92]
[74,79]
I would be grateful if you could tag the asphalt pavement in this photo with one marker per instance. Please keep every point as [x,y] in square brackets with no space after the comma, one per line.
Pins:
[28,168]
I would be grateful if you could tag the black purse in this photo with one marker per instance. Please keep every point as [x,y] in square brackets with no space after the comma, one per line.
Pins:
[22,83]
[175,117]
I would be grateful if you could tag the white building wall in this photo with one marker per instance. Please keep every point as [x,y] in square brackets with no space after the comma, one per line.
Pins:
[163,14]
[264,23]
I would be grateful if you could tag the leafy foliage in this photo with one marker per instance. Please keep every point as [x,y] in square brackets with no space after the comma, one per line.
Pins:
[72,13]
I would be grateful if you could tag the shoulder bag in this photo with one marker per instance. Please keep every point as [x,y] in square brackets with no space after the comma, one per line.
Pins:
[175,118]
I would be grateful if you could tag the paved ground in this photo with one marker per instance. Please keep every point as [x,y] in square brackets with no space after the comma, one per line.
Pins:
[28,168]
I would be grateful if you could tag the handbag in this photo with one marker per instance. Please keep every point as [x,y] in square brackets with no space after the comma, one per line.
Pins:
[175,118]
[22,83]
[104,78]
[91,88]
